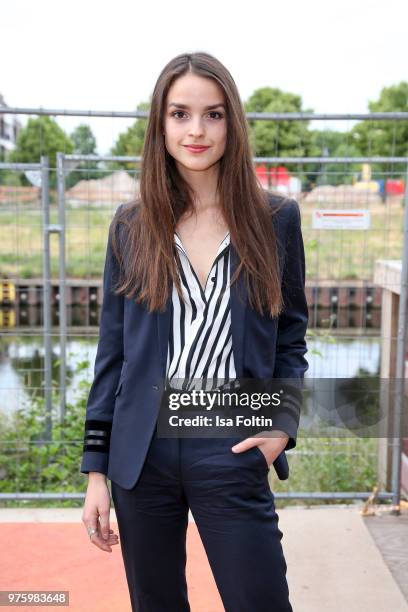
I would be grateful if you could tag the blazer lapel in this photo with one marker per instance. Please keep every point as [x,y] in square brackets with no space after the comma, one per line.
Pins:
[238,302]
[163,329]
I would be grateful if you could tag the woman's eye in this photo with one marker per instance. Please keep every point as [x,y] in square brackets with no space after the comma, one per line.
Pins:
[177,112]
[210,113]
[216,113]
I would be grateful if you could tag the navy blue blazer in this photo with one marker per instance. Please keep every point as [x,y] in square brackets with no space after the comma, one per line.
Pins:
[125,395]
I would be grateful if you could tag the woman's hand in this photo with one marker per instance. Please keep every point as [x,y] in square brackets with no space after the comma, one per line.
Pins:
[97,507]
[271,447]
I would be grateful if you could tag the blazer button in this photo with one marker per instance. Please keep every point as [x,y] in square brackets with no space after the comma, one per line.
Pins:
[155,387]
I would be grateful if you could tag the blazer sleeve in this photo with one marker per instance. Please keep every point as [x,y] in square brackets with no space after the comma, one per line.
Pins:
[107,370]
[291,347]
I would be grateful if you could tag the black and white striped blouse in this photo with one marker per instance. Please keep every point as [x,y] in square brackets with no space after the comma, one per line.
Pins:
[200,352]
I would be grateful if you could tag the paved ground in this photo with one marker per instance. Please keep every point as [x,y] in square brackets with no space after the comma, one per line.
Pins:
[334,562]
[390,534]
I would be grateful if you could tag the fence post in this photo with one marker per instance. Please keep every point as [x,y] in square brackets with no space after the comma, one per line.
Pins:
[400,366]
[47,319]
[62,281]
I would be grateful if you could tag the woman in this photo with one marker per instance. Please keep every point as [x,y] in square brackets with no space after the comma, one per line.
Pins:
[209,285]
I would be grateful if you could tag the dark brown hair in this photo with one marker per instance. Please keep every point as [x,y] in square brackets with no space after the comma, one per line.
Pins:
[146,258]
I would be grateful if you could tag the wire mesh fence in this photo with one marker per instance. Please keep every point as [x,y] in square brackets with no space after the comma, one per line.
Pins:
[55,213]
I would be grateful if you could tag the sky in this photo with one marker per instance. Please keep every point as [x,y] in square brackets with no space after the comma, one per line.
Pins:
[337,55]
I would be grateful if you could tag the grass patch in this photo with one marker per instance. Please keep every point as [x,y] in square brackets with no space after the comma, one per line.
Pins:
[330,254]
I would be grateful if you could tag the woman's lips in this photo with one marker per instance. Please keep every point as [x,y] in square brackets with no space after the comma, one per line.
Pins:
[196,149]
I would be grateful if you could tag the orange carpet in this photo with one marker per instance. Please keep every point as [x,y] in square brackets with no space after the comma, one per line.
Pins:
[59,556]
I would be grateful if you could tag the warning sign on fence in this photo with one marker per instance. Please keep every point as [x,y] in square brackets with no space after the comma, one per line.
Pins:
[349,219]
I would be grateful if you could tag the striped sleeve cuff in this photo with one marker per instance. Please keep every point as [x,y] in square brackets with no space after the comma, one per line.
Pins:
[97,436]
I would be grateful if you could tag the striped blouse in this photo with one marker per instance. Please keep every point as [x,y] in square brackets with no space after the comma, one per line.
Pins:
[200,352]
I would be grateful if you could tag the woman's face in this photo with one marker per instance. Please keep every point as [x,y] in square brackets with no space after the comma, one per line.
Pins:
[189,121]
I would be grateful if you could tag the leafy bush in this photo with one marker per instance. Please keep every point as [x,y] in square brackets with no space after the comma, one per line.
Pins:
[41,453]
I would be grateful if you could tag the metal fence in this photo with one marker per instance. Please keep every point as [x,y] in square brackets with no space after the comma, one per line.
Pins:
[314,248]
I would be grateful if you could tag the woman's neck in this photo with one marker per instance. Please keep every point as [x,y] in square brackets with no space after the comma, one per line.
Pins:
[204,185]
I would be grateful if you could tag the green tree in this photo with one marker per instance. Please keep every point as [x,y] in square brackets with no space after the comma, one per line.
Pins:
[278,138]
[41,136]
[130,143]
[385,138]
[84,144]
[84,140]
[330,143]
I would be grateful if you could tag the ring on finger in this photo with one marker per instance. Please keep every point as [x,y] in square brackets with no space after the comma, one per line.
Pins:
[91,531]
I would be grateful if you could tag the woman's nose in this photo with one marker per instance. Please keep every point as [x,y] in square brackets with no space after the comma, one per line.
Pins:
[196,128]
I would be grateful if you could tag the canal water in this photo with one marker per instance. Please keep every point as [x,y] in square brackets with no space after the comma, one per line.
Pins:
[334,353]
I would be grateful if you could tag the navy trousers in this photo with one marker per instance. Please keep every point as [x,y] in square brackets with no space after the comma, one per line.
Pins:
[233,507]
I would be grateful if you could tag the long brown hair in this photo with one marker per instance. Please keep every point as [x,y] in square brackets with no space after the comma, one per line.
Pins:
[147,257]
